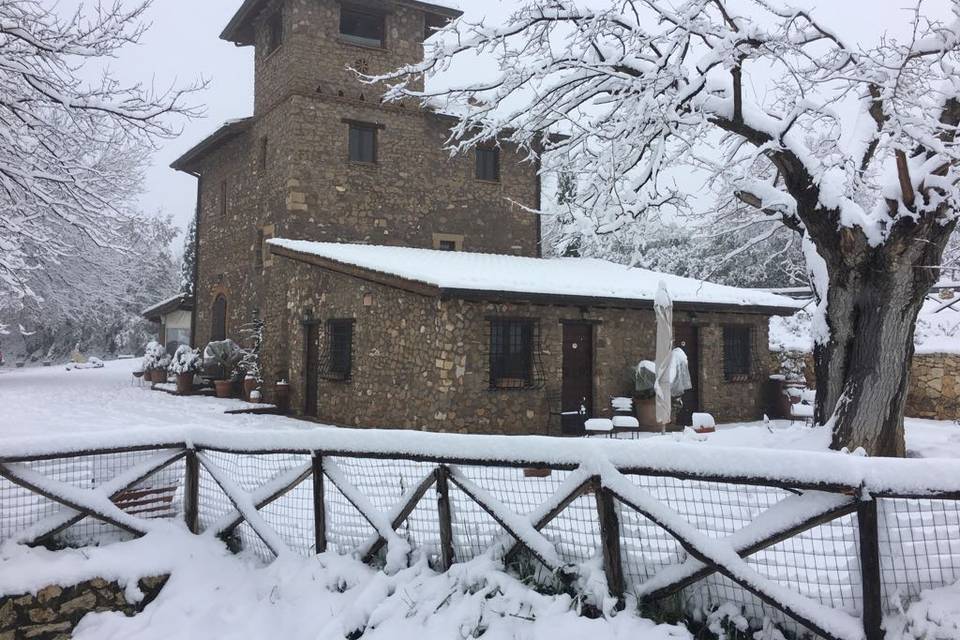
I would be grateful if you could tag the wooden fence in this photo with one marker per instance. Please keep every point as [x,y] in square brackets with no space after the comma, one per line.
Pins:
[659,528]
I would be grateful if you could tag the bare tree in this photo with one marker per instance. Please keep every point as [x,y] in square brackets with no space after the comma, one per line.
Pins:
[71,149]
[856,149]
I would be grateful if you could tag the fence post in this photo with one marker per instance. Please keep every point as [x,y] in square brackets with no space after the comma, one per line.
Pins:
[870,569]
[191,492]
[446,524]
[610,540]
[319,506]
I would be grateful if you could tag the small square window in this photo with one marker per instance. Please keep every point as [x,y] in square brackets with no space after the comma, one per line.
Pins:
[363,143]
[447,242]
[737,353]
[274,31]
[365,28]
[488,164]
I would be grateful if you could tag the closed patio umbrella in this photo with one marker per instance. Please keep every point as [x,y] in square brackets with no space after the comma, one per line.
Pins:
[663,307]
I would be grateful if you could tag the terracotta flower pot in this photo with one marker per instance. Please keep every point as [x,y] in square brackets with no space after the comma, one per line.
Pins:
[185,383]
[249,384]
[158,376]
[281,396]
[224,388]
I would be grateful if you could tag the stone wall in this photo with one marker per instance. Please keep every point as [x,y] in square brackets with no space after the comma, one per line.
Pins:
[290,172]
[54,611]
[422,362]
[934,384]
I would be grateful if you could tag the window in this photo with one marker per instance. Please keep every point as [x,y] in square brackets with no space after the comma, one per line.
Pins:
[363,143]
[339,349]
[737,356]
[263,254]
[365,28]
[511,354]
[218,319]
[274,31]
[488,164]
[447,242]
[223,199]
[264,148]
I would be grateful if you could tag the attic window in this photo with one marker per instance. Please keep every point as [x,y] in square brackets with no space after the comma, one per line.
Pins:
[364,28]
[274,31]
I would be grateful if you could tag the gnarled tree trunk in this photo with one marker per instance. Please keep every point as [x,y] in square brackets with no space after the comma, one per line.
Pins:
[875,294]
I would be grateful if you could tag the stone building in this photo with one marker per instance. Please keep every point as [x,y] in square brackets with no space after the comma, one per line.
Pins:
[323,160]
[425,339]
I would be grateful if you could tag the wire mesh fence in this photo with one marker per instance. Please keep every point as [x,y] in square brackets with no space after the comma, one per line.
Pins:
[918,538]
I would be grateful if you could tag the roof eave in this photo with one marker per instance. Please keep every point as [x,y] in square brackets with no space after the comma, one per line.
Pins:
[489,295]
[240,30]
[611,302]
[226,132]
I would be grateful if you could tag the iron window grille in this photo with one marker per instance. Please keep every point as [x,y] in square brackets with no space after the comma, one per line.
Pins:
[363,143]
[488,164]
[515,354]
[364,28]
[337,362]
[738,353]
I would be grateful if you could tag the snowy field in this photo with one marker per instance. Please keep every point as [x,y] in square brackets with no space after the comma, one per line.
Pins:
[50,400]
[241,594]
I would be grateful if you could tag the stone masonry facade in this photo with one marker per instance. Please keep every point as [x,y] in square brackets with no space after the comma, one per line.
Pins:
[52,612]
[422,362]
[286,172]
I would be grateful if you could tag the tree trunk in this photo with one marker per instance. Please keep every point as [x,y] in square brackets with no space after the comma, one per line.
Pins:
[874,297]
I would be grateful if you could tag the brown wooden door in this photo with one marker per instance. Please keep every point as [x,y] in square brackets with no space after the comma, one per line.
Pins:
[311,369]
[577,387]
[687,337]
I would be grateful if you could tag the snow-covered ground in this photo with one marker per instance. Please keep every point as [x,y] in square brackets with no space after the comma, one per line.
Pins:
[213,594]
[49,400]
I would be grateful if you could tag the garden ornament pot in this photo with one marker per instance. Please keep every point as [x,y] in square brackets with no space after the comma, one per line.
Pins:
[185,383]
[224,388]
[249,384]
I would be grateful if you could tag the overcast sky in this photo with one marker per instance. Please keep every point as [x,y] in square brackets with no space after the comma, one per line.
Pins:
[183,46]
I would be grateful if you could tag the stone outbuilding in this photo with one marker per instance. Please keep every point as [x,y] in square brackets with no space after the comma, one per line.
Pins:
[174,319]
[382,336]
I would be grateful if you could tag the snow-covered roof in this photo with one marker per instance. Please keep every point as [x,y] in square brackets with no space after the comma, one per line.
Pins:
[173,303]
[588,279]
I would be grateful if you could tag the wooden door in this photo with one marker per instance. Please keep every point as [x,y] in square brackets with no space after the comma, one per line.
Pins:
[577,385]
[687,337]
[311,369]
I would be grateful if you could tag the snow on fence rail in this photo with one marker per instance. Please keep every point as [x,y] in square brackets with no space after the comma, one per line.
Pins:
[822,542]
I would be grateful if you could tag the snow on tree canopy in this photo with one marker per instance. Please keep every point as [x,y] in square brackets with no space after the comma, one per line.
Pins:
[587,277]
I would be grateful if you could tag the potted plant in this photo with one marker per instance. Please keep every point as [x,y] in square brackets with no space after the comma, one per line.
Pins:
[158,374]
[220,360]
[152,354]
[644,395]
[281,395]
[185,365]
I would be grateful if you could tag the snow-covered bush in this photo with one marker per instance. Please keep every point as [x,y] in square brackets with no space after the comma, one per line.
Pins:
[221,359]
[154,356]
[185,360]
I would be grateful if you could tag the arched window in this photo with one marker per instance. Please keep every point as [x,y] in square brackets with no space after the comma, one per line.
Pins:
[218,324]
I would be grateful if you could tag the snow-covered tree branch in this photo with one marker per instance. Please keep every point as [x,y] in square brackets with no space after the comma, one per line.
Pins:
[71,149]
[854,148]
